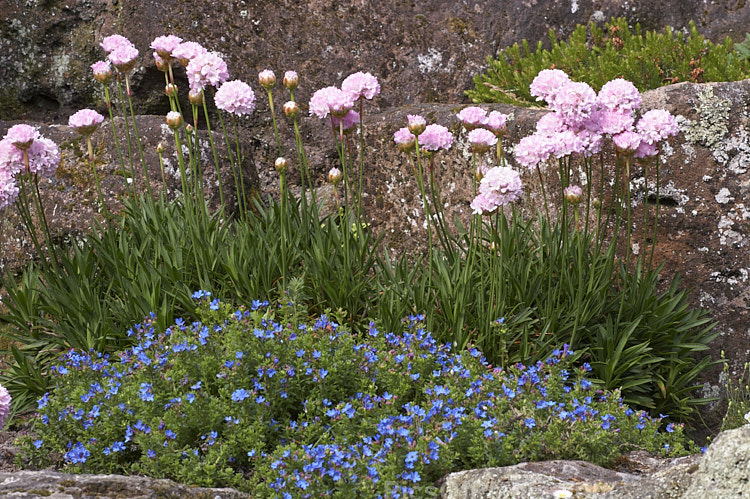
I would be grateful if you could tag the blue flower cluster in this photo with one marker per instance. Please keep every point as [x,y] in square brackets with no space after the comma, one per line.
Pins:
[311,409]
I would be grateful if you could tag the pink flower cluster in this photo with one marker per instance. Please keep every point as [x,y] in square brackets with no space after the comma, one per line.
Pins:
[165,45]
[4,405]
[85,121]
[187,51]
[431,137]
[475,117]
[121,53]
[580,120]
[339,102]
[23,149]
[235,97]
[499,186]
[361,86]
[207,68]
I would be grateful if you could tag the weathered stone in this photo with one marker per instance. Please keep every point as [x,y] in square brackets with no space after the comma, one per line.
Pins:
[724,470]
[50,484]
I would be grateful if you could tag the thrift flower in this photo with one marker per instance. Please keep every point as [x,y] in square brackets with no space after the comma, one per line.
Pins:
[619,95]
[4,405]
[112,42]
[435,137]
[267,79]
[330,100]
[102,71]
[614,122]
[280,165]
[361,85]
[404,139]
[334,176]
[291,80]
[496,122]
[173,119]
[235,97]
[417,123]
[85,121]
[347,122]
[575,102]
[123,57]
[22,136]
[42,154]
[8,192]
[573,194]
[627,142]
[206,69]
[499,186]
[472,117]
[656,125]
[548,83]
[481,140]
[533,150]
[187,51]
[164,45]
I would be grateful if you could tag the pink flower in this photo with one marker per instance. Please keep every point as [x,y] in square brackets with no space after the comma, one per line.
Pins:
[206,69]
[566,143]
[85,121]
[8,190]
[435,137]
[550,123]
[656,125]
[548,83]
[361,85]
[646,150]
[575,102]
[533,150]
[112,42]
[472,117]
[123,57]
[187,51]
[481,140]
[627,141]
[267,79]
[614,122]
[404,139]
[11,158]
[235,97]
[499,186]
[573,194]
[417,123]
[591,142]
[22,136]
[331,100]
[44,157]
[4,405]
[164,45]
[347,122]
[291,80]
[619,95]
[496,122]
[102,71]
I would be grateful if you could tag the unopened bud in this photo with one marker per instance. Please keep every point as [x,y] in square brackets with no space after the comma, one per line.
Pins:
[334,176]
[280,165]
[267,79]
[597,203]
[291,109]
[189,128]
[291,80]
[161,64]
[160,148]
[417,124]
[195,98]
[174,119]
[573,194]
[170,90]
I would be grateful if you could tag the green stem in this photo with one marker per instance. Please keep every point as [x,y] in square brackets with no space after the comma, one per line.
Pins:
[96,175]
[138,140]
[130,188]
[213,150]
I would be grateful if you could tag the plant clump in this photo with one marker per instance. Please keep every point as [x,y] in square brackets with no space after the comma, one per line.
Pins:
[649,60]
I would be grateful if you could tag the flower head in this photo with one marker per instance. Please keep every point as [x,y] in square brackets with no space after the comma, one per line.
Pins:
[334,176]
[291,80]
[533,150]
[4,405]
[573,194]
[499,186]
[575,101]
[291,109]
[44,157]
[656,125]
[435,137]
[173,119]
[235,97]
[102,71]
[619,95]
[417,123]
[496,122]
[548,83]
[206,69]
[280,165]
[472,117]
[331,100]
[481,140]
[187,51]
[8,194]
[267,79]
[347,122]
[627,141]
[164,45]
[404,139]
[123,57]
[112,42]
[85,121]
[361,85]
[614,122]
[22,136]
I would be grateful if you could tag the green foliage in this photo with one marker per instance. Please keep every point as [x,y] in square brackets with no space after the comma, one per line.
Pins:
[649,60]
[738,395]
[251,399]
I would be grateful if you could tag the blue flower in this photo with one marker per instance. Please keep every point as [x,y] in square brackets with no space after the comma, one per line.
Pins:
[38,443]
[240,395]
[214,304]
[529,423]
[201,294]
[78,454]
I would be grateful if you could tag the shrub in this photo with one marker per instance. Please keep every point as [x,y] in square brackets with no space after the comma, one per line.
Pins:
[251,399]
[649,60]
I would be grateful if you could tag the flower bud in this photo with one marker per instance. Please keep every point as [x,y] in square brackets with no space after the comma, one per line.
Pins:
[334,176]
[291,80]
[280,165]
[195,98]
[189,129]
[573,194]
[160,148]
[291,109]
[171,90]
[102,71]
[267,79]
[161,64]
[597,203]
[417,124]
[174,120]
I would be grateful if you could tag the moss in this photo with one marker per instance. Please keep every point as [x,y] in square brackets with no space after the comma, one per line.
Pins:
[711,127]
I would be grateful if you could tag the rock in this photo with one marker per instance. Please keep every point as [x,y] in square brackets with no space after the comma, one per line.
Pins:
[724,470]
[50,484]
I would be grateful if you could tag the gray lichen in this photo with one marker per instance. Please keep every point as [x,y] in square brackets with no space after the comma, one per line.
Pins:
[712,126]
